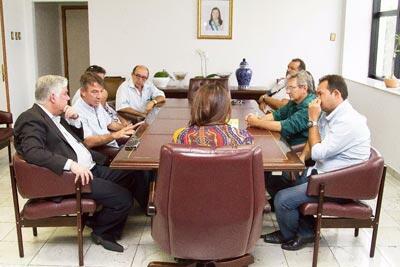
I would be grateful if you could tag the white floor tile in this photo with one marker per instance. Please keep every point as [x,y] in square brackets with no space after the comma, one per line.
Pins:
[27,235]
[346,238]
[98,256]
[5,228]
[303,257]
[10,254]
[358,256]
[268,256]
[391,254]
[148,253]
[56,254]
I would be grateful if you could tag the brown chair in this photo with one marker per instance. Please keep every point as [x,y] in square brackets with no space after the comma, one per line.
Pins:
[45,207]
[196,83]
[111,84]
[359,182]
[6,133]
[208,204]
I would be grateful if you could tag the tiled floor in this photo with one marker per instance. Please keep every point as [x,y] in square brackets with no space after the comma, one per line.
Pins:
[57,246]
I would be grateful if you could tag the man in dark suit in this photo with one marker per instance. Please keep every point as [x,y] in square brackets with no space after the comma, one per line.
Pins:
[50,135]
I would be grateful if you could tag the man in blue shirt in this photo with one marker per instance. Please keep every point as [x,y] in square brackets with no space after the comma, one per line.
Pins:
[338,137]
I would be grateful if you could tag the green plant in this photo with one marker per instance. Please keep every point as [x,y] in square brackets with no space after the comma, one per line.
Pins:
[161,74]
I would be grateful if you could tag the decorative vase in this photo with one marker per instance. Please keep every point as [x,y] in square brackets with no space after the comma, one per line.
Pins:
[243,75]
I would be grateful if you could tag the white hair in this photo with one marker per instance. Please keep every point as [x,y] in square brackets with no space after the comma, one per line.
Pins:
[47,84]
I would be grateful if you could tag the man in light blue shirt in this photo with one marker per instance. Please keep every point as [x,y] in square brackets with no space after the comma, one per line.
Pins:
[98,127]
[135,97]
[338,137]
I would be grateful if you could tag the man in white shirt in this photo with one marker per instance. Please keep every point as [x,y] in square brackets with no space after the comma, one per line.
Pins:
[338,137]
[44,137]
[136,98]
[100,71]
[98,127]
[281,98]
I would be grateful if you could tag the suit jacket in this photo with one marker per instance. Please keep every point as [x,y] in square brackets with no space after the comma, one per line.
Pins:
[40,142]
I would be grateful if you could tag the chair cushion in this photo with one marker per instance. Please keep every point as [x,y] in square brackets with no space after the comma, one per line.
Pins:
[42,208]
[354,209]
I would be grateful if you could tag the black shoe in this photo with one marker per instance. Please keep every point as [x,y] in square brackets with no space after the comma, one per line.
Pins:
[297,243]
[274,238]
[109,243]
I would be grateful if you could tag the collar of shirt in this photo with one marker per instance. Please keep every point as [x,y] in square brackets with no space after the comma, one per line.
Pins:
[53,117]
[132,85]
[338,110]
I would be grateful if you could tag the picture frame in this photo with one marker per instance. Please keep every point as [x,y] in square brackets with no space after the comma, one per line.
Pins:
[214,19]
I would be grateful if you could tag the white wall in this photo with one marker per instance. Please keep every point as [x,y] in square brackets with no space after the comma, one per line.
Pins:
[268,33]
[357,36]
[17,14]
[381,109]
[48,37]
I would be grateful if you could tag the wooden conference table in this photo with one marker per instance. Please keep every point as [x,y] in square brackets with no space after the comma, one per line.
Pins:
[253,92]
[277,155]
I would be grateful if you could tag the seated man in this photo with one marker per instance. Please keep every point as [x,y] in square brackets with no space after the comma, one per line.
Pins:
[44,137]
[135,98]
[281,98]
[101,72]
[291,119]
[98,127]
[338,138]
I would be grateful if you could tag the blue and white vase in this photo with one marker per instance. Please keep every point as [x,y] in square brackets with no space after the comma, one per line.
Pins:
[243,75]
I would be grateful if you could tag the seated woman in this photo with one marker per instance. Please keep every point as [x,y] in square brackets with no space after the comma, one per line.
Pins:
[208,126]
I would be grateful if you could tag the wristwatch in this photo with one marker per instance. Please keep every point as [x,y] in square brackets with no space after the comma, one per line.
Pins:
[312,124]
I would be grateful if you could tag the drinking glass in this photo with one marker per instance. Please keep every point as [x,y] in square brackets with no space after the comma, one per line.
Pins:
[180,76]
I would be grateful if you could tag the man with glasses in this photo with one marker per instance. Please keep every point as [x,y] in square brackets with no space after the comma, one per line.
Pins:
[291,119]
[135,97]
[281,98]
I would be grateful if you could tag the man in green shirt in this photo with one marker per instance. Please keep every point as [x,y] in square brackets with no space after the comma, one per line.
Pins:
[290,120]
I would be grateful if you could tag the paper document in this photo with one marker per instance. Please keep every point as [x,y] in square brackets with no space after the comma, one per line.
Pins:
[234,123]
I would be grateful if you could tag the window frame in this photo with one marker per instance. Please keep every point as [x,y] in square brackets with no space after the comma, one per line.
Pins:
[376,16]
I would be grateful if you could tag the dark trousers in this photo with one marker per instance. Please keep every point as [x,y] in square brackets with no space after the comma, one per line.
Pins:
[110,188]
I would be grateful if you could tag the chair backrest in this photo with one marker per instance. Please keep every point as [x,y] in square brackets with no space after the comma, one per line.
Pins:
[5,117]
[209,202]
[33,181]
[111,84]
[196,83]
[360,181]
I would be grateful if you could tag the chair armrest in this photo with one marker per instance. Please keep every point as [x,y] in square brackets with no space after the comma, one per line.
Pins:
[151,208]
[5,117]
[298,148]
[38,182]
[359,181]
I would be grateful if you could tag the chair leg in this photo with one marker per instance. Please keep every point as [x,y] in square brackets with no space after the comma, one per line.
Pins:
[373,241]
[318,226]
[356,230]
[20,242]
[34,230]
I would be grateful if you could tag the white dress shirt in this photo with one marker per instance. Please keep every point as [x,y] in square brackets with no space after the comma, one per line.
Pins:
[95,120]
[82,153]
[346,139]
[76,96]
[129,96]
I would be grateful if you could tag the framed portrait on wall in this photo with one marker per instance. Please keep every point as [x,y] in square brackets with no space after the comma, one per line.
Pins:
[214,19]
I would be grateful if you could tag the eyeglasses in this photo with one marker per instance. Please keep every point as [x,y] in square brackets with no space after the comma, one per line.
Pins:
[291,88]
[141,77]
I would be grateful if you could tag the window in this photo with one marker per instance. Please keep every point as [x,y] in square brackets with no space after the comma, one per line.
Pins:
[385,24]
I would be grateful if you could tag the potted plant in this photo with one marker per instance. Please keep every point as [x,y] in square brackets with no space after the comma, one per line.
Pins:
[161,78]
[391,81]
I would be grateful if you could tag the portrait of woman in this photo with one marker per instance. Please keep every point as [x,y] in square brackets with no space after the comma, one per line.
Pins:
[209,116]
[214,19]
[215,23]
